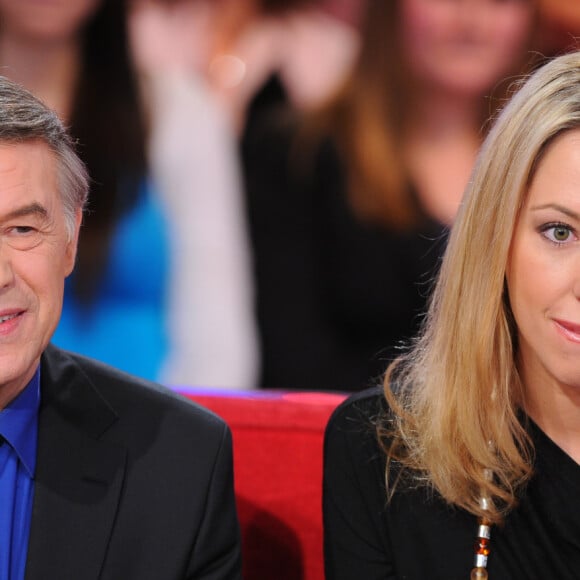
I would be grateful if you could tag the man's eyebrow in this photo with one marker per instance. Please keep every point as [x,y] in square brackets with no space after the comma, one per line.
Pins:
[34,208]
[561,208]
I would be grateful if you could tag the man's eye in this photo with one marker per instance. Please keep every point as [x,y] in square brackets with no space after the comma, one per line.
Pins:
[22,237]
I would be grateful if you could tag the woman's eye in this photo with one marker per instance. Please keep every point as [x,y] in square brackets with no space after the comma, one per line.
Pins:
[558,233]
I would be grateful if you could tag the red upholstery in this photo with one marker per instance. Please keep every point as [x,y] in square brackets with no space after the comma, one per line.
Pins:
[278,477]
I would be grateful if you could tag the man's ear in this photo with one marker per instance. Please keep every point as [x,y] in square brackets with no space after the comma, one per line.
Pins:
[72,244]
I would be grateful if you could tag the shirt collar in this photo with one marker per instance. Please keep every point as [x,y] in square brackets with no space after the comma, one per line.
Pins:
[19,423]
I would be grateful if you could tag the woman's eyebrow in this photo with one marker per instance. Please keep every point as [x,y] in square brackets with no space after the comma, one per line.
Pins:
[561,208]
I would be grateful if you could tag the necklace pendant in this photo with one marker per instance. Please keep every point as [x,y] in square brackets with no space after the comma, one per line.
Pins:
[479,571]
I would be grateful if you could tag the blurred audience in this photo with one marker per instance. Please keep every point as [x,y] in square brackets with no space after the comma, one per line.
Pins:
[349,207]
[162,287]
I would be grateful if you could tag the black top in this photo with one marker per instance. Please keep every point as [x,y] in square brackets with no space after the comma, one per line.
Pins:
[417,536]
[336,296]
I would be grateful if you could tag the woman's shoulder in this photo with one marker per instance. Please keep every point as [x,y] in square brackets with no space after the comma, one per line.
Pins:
[359,409]
[352,431]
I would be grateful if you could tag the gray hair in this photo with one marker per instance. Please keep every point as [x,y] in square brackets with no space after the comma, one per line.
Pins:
[23,117]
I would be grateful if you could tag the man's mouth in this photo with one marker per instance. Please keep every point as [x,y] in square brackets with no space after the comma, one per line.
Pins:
[9,317]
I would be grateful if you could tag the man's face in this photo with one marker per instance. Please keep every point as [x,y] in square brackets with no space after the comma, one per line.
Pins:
[36,255]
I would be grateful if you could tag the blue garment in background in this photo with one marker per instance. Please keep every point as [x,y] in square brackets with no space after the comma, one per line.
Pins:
[19,427]
[125,326]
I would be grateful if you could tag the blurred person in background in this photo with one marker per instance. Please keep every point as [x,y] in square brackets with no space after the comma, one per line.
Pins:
[236,60]
[162,287]
[349,207]
[253,53]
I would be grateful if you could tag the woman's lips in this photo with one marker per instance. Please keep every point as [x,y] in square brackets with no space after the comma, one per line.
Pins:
[570,330]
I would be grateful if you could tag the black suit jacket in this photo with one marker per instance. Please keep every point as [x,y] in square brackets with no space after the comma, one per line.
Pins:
[132,481]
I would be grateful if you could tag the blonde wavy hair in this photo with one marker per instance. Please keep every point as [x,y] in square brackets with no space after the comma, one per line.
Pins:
[455,398]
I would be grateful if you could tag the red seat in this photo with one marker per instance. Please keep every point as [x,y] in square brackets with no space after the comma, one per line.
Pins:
[278,439]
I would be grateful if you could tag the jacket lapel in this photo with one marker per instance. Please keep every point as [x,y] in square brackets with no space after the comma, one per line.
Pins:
[79,475]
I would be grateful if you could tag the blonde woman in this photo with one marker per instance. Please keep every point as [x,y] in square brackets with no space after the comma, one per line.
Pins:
[468,464]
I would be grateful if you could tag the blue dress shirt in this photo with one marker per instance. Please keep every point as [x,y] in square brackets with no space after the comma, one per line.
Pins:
[18,427]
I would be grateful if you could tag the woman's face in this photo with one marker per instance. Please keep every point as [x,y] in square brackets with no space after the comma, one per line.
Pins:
[45,20]
[543,274]
[464,46]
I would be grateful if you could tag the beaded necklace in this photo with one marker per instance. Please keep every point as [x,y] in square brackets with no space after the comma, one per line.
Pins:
[479,571]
